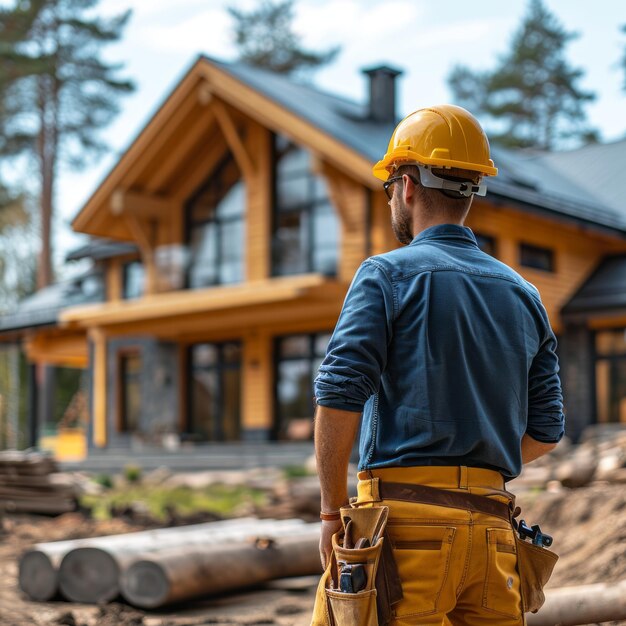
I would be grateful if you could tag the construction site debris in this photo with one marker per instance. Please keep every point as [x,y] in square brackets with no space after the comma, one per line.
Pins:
[585,604]
[89,570]
[29,484]
[177,574]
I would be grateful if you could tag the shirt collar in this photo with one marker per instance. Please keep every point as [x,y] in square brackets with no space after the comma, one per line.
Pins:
[446,232]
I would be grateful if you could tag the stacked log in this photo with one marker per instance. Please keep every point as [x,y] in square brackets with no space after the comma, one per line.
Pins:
[599,457]
[89,570]
[583,604]
[182,573]
[29,484]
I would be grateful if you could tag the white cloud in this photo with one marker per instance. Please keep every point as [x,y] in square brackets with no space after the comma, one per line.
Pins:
[206,31]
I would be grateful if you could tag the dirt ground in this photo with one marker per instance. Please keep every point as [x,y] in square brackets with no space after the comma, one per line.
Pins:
[588,525]
[283,603]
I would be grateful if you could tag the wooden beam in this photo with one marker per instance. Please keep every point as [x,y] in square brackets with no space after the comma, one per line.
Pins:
[279,119]
[185,144]
[234,141]
[341,190]
[60,349]
[161,127]
[144,205]
[146,243]
[192,301]
[198,170]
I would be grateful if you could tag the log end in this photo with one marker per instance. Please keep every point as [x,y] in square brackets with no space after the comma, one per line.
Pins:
[145,585]
[38,577]
[89,575]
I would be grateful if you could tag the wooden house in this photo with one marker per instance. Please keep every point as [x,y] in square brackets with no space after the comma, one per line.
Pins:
[228,232]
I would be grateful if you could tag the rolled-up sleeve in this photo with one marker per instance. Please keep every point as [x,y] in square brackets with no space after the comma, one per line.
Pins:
[546,422]
[357,352]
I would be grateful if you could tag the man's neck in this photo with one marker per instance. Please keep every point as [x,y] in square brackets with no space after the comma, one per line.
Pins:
[420,223]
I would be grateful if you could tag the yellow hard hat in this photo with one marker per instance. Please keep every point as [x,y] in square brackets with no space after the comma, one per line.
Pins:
[441,136]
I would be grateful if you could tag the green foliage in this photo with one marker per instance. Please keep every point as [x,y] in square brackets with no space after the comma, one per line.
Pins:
[132,473]
[56,94]
[296,471]
[104,480]
[221,499]
[531,98]
[265,38]
[62,88]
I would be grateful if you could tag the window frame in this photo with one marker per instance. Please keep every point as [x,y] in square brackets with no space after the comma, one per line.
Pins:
[124,269]
[190,224]
[122,419]
[537,248]
[312,356]
[605,358]
[217,432]
[306,208]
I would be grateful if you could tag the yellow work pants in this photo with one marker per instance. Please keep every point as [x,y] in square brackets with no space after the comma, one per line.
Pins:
[458,567]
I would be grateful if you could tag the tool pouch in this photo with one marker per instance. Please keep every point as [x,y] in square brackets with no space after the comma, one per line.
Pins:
[535,565]
[370,606]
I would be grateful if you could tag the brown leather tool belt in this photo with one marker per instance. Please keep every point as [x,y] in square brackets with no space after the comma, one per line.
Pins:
[408,492]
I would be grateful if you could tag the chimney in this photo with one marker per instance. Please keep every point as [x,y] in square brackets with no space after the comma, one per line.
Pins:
[382,102]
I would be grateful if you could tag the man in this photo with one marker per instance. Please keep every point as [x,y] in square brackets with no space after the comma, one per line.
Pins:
[449,357]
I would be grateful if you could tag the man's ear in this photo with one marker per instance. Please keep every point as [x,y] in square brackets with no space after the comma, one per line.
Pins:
[408,189]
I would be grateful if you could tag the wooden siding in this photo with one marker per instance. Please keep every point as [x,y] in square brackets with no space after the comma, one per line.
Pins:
[577,251]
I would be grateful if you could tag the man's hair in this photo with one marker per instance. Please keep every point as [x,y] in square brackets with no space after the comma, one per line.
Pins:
[443,200]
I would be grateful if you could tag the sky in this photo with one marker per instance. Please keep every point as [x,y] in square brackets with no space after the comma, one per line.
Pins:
[424,38]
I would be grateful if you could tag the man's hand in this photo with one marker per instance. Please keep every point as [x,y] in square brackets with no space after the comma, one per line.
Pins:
[326,545]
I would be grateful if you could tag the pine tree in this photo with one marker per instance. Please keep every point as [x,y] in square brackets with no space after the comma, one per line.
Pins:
[65,95]
[264,37]
[531,98]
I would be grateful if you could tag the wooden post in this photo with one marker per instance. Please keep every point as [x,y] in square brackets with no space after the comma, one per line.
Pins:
[258,401]
[99,389]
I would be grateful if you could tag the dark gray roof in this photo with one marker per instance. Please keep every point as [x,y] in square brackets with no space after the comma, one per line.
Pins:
[98,249]
[597,168]
[604,289]
[580,185]
[341,118]
[43,307]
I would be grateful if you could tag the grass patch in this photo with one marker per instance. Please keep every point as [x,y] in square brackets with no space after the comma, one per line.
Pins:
[220,499]
[296,471]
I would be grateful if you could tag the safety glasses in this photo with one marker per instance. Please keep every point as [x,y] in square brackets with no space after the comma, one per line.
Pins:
[390,181]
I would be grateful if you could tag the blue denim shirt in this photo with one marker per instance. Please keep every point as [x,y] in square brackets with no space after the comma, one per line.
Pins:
[449,354]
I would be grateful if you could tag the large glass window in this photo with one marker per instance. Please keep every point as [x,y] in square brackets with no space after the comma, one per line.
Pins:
[306,229]
[134,276]
[215,391]
[611,375]
[215,218]
[130,391]
[298,358]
